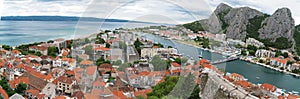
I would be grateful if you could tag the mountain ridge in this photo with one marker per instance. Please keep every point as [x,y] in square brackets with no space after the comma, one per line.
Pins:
[244,22]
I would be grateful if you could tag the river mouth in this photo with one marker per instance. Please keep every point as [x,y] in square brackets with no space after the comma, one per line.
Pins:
[254,73]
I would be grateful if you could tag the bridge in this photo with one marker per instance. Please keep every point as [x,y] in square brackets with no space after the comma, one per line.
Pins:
[225,60]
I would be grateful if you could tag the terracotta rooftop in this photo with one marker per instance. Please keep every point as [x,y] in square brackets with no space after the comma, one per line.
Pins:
[90,70]
[175,64]
[64,79]
[86,62]
[268,87]
[3,93]
[14,83]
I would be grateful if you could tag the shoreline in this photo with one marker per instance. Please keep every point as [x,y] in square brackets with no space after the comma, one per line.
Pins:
[260,64]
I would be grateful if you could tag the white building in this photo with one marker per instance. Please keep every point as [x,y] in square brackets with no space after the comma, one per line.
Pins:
[220,37]
[252,41]
[265,53]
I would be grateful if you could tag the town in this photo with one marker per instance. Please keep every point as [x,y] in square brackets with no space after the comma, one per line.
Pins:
[120,64]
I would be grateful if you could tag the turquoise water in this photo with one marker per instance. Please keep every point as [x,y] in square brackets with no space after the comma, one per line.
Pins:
[20,32]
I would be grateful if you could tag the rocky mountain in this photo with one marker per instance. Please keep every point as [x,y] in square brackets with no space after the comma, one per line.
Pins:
[244,22]
[279,24]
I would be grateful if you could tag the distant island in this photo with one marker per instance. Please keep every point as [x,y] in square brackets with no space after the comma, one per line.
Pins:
[62,18]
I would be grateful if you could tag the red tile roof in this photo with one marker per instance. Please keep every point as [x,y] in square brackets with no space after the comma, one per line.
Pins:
[291,96]
[14,83]
[244,84]
[64,79]
[268,87]
[175,64]
[86,62]
[3,93]
[90,70]
[34,92]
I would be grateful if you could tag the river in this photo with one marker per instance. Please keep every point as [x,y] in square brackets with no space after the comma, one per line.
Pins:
[248,70]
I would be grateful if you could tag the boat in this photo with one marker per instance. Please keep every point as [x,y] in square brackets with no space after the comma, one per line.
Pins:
[295,92]
[257,77]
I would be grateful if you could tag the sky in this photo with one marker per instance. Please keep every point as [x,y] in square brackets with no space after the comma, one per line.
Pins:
[160,11]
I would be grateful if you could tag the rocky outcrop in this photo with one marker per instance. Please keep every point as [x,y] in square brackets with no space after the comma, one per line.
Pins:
[214,23]
[237,20]
[241,23]
[279,24]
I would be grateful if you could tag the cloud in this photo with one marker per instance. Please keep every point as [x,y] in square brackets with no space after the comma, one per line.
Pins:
[165,11]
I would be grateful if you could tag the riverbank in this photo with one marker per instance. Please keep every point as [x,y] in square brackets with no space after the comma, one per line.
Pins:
[243,59]
[270,67]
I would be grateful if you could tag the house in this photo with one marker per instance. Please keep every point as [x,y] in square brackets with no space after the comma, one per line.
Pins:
[86,63]
[294,66]
[132,54]
[264,53]
[151,52]
[49,90]
[278,62]
[116,54]
[101,52]
[15,96]
[34,94]
[254,42]
[88,76]
[36,80]
[103,68]
[39,48]
[99,91]
[236,77]
[268,87]
[65,84]
[244,84]
[175,66]
[13,83]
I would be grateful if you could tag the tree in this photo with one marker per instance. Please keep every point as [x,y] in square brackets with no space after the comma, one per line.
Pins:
[21,88]
[164,88]
[107,45]
[100,41]
[101,60]
[6,47]
[158,63]
[244,52]
[195,93]
[52,51]
[285,55]
[137,45]
[140,97]
[170,47]
[122,67]
[87,40]
[261,61]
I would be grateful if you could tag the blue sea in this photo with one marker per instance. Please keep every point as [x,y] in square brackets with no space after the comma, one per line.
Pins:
[23,32]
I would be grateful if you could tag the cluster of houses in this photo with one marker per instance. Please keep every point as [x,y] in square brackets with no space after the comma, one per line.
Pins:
[66,77]
[264,91]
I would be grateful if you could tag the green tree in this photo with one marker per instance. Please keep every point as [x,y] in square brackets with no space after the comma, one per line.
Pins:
[107,45]
[244,52]
[122,67]
[158,63]
[52,51]
[285,55]
[101,60]
[195,93]
[6,47]
[137,45]
[21,88]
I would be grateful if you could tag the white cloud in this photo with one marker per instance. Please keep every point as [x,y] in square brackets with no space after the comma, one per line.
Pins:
[166,11]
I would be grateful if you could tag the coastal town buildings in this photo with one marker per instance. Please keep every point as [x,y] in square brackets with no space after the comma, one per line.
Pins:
[264,53]
[254,42]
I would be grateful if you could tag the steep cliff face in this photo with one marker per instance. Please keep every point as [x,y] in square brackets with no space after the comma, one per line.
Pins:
[216,22]
[241,23]
[237,20]
[279,24]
